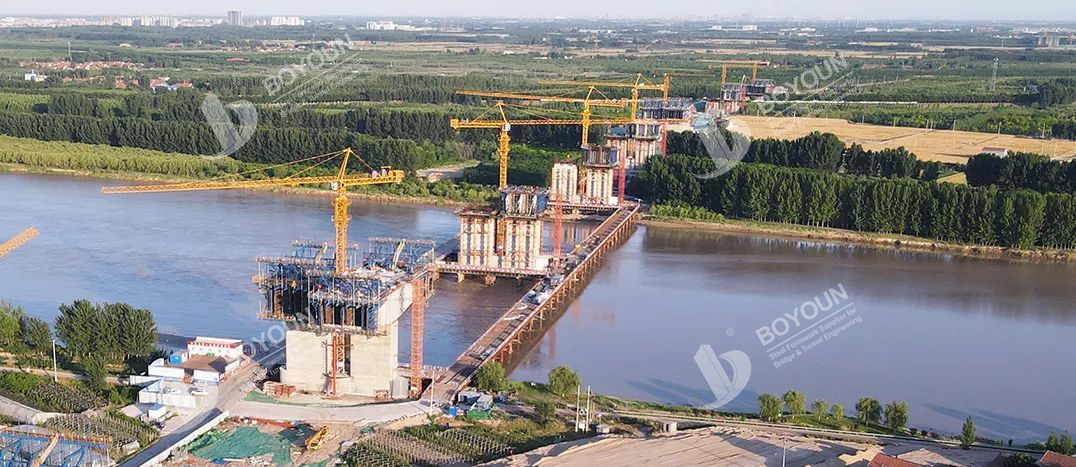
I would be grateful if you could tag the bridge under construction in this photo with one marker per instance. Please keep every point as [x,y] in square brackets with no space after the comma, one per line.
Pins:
[341,303]
[527,320]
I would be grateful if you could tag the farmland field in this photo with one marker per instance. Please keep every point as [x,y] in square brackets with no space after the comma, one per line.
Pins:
[931,145]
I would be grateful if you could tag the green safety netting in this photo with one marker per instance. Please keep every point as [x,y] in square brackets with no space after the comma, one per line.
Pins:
[241,443]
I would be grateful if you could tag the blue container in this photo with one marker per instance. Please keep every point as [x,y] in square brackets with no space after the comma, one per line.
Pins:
[175,359]
[453,411]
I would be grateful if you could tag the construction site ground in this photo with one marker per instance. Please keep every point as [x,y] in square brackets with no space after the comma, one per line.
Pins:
[363,414]
[725,446]
[300,398]
[237,442]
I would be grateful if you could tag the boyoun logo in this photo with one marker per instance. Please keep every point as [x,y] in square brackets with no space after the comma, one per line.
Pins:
[725,389]
[230,136]
[801,315]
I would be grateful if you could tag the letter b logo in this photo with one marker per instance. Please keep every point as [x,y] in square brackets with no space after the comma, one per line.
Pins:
[230,136]
[725,389]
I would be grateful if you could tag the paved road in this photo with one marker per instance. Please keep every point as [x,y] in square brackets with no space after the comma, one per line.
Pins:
[372,413]
[229,394]
[170,439]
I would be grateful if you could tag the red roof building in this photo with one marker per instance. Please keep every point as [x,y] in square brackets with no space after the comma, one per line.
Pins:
[1055,459]
[882,460]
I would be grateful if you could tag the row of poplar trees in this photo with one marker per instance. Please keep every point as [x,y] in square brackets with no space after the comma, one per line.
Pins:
[943,211]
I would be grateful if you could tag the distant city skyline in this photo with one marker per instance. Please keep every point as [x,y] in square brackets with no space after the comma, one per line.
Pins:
[986,10]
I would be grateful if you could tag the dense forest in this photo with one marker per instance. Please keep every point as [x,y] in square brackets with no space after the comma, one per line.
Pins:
[267,145]
[943,211]
[526,166]
[821,151]
[1021,170]
[403,137]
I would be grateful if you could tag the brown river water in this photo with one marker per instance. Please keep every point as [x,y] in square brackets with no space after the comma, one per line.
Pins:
[953,336]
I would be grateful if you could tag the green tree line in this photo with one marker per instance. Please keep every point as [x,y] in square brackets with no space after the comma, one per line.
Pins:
[526,166]
[1022,170]
[943,211]
[115,331]
[822,151]
[268,145]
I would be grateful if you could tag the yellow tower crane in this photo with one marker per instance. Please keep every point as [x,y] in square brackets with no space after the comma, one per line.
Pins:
[504,124]
[339,182]
[586,121]
[587,102]
[666,79]
[18,240]
[724,64]
[635,86]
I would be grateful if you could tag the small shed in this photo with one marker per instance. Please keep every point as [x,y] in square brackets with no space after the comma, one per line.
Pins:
[996,151]
[156,411]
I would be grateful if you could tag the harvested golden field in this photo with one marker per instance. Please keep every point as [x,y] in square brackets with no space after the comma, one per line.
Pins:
[932,145]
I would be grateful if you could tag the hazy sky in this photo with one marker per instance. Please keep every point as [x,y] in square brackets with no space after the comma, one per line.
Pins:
[1052,10]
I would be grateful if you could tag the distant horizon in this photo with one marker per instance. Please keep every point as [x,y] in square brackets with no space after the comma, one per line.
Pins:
[729,20]
[1047,11]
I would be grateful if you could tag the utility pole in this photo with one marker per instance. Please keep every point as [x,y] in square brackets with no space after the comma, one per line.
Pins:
[588,408]
[784,450]
[578,389]
[430,409]
[994,75]
[54,360]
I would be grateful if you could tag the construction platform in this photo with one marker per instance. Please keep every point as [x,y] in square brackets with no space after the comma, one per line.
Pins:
[342,334]
[527,319]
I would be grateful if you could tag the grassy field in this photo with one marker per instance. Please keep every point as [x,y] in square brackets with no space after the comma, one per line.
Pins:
[931,145]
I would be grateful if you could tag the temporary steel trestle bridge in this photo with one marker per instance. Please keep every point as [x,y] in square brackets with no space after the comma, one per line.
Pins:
[526,319]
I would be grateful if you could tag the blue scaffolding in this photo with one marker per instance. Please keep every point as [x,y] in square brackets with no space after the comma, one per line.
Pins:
[20,447]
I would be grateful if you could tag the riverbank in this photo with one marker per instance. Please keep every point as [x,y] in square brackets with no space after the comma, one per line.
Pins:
[873,240]
[371,195]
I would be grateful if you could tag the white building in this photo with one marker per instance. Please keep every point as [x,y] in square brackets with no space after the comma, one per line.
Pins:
[285,21]
[234,18]
[33,76]
[229,349]
[157,393]
[381,25]
[207,359]
[156,21]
